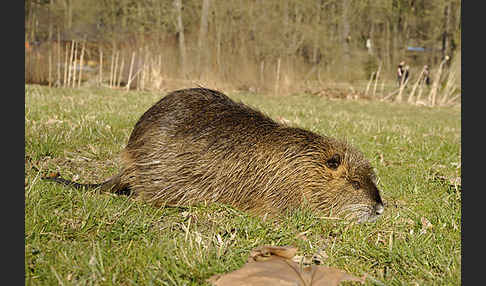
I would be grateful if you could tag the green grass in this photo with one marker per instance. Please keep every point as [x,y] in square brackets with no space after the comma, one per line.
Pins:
[87,238]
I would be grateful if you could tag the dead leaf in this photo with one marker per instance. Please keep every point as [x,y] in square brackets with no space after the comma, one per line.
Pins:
[410,222]
[53,121]
[261,253]
[319,257]
[383,161]
[283,120]
[302,235]
[425,225]
[53,175]
[92,148]
[272,265]
[303,260]
[451,182]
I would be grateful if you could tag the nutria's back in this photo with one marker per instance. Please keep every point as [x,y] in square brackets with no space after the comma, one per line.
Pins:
[197,145]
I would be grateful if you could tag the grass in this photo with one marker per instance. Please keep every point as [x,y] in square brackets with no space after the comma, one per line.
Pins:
[88,238]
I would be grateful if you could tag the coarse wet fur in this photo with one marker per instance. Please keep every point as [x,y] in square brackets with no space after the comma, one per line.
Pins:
[197,145]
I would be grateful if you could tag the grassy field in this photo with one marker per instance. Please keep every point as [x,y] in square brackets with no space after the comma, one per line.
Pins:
[87,238]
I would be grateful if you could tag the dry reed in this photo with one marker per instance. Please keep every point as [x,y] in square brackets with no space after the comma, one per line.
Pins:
[277,80]
[74,68]
[59,56]
[81,62]
[369,83]
[435,85]
[66,69]
[110,84]
[412,93]
[120,73]
[100,79]
[129,81]
[376,80]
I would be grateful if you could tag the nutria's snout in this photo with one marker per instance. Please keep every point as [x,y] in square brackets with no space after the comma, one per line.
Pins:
[379,208]
[374,214]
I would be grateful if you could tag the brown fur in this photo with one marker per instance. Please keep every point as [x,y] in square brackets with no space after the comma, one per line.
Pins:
[197,145]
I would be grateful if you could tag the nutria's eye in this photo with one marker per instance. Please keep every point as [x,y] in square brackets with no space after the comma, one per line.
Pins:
[356,185]
[333,162]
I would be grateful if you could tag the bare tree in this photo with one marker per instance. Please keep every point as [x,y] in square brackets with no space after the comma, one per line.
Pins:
[240,42]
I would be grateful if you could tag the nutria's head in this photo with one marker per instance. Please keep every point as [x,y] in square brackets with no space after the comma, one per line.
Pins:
[349,189]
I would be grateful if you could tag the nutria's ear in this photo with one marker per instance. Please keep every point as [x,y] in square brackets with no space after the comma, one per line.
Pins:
[333,162]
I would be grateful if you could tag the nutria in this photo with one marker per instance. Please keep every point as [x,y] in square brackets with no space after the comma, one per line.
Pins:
[197,145]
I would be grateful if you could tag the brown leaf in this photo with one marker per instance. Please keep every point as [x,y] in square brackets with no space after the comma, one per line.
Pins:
[263,252]
[425,225]
[302,235]
[283,120]
[53,121]
[319,257]
[272,265]
[53,175]
[452,182]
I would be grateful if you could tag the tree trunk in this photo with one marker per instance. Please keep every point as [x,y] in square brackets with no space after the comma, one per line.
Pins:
[346,33]
[50,45]
[219,32]
[180,31]
[141,29]
[69,13]
[445,34]
[202,53]
[317,33]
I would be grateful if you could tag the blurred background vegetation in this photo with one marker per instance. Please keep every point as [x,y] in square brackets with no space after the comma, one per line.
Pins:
[255,45]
